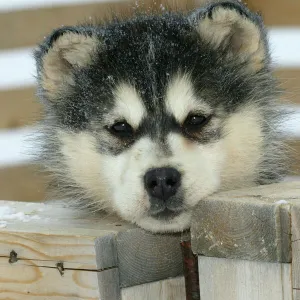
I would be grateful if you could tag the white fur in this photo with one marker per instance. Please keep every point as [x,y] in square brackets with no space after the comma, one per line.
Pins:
[129,105]
[70,49]
[84,164]
[245,37]
[243,145]
[181,100]
[125,173]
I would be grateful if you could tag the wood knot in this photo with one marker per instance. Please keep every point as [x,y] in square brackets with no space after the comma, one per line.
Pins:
[60,268]
[13,257]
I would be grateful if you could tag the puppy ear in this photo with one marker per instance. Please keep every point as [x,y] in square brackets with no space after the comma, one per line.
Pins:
[64,51]
[228,26]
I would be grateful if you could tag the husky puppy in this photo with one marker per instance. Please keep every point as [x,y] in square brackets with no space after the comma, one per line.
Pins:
[144,117]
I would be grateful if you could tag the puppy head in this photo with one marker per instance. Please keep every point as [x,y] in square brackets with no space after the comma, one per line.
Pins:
[145,117]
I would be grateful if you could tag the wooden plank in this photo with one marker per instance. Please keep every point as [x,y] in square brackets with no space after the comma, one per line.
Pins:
[277,12]
[296,294]
[109,285]
[106,256]
[295,216]
[44,235]
[34,282]
[37,218]
[162,250]
[22,183]
[19,108]
[48,249]
[294,150]
[251,223]
[48,234]
[229,279]
[289,79]
[171,289]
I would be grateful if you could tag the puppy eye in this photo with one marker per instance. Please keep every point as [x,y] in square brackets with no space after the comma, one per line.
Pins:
[122,129]
[195,122]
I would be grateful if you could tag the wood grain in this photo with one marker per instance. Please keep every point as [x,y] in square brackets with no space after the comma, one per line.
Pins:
[229,279]
[109,284]
[75,251]
[295,215]
[44,235]
[169,289]
[106,257]
[161,253]
[34,282]
[58,218]
[251,223]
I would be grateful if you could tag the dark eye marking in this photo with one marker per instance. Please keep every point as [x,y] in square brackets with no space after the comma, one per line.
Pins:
[121,129]
[195,122]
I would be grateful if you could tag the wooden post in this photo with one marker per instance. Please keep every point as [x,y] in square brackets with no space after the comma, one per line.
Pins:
[248,243]
[191,275]
[54,252]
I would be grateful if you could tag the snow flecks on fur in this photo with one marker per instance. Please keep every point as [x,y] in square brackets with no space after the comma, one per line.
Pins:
[154,71]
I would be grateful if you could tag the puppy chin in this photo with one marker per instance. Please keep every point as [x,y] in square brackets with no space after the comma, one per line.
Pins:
[176,224]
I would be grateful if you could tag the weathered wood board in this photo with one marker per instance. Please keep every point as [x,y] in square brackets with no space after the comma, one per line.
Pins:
[57,244]
[31,281]
[295,214]
[44,235]
[251,223]
[169,289]
[248,242]
[230,279]
[135,247]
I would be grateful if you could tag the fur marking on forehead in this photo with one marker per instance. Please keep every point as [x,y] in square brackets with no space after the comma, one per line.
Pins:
[128,104]
[181,99]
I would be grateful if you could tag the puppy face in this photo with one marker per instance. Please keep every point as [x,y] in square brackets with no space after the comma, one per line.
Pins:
[147,117]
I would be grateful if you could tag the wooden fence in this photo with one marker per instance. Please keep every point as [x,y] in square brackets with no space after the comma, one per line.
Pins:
[247,242]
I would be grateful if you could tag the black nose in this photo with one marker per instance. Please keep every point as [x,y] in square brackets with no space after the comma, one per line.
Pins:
[162,183]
